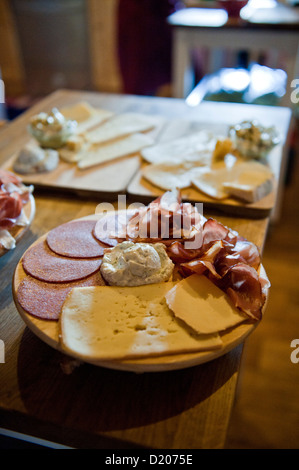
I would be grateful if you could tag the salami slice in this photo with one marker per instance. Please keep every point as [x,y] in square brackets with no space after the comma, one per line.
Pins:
[76,240]
[43,264]
[44,300]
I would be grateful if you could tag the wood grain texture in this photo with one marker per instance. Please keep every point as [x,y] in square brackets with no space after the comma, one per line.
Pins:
[95,407]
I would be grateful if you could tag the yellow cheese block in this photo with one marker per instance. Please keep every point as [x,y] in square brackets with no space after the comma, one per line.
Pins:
[115,323]
[202,305]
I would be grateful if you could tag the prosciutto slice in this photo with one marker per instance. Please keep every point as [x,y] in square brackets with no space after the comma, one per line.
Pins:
[13,196]
[244,287]
[166,219]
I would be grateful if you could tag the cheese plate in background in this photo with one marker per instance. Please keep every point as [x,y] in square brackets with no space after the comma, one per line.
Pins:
[144,190]
[103,175]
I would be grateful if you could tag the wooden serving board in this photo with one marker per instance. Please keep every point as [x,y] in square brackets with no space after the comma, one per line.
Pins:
[48,331]
[19,231]
[105,180]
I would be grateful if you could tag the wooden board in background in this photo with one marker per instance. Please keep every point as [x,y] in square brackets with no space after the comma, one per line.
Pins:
[104,180]
[142,190]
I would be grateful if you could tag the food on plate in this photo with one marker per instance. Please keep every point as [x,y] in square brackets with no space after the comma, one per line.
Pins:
[223,147]
[197,146]
[116,323]
[211,164]
[170,175]
[74,149]
[45,299]
[202,246]
[202,306]
[14,196]
[86,116]
[253,140]
[51,129]
[75,240]
[248,181]
[164,220]
[110,225]
[120,126]
[151,281]
[134,264]
[120,148]
[35,159]
[43,264]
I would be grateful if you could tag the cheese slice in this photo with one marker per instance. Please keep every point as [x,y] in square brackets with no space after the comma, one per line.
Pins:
[120,148]
[116,323]
[170,175]
[250,186]
[197,146]
[121,125]
[202,305]
[86,115]
[249,181]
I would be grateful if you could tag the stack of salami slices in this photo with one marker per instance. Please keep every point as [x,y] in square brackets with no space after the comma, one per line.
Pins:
[69,256]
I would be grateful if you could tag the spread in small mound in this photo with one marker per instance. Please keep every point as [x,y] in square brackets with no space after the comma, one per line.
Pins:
[134,264]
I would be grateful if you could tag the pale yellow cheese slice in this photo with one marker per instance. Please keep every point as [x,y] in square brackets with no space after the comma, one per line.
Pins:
[115,323]
[121,125]
[110,151]
[170,175]
[86,115]
[249,181]
[197,147]
[202,305]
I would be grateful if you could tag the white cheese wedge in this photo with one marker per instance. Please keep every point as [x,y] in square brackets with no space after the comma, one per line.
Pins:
[202,305]
[121,125]
[197,146]
[127,146]
[116,323]
[248,181]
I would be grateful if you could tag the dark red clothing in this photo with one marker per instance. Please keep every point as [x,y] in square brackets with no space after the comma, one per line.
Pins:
[144,44]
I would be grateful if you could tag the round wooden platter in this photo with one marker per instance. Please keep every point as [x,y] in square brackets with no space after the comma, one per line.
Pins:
[19,231]
[49,332]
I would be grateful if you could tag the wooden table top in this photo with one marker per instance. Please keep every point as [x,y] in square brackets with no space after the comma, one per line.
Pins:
[95,407]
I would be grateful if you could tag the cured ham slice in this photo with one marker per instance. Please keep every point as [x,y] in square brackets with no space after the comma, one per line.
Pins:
[13,196]
[166,219]
[111,227]
[10,209]
[242,284]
